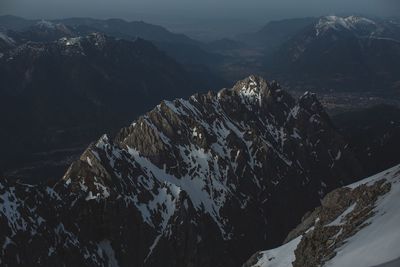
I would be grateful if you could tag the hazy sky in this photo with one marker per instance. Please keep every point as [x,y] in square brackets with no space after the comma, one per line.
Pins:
[251,9]
[186,15]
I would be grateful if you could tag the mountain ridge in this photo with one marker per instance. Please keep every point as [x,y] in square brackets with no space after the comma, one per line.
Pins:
[87,25]
[230,162]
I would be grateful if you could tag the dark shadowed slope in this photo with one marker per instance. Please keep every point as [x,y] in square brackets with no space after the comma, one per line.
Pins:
[373,134]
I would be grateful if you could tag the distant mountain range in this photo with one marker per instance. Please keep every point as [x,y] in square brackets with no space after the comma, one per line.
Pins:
[331,53]
[193,54]
[112,27]
[342,54]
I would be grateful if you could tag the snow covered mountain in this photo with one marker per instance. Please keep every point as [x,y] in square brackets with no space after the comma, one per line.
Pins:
[44,31]
[357,25]
[199,182]
[342,54]
[356,226]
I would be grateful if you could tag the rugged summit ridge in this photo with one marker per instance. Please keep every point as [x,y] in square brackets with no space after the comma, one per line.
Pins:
[191,182]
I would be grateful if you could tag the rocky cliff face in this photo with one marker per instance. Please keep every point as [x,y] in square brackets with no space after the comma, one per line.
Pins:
[199,182]
[356,225]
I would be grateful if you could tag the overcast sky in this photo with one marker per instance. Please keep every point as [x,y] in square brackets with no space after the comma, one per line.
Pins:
[250,9]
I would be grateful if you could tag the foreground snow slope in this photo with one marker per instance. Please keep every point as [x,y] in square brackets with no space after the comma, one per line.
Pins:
[364,232]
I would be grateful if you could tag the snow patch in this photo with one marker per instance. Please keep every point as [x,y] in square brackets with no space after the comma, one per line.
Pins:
[339,220]
[6,38]
[338,23]
[280,257]
[106,247]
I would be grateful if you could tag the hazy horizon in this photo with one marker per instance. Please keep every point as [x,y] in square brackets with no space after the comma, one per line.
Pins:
[207,17]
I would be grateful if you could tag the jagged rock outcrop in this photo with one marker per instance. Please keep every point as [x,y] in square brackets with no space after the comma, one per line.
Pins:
[355,225]
[198,182]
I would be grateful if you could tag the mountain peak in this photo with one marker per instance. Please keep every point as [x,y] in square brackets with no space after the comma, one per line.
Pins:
[337,23]
[252,83]
[46,24]
[80,44]
[256,90]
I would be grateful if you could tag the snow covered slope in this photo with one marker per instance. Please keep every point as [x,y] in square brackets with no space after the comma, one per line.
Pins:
[357,226]
[6,38]
[6,42]
[351,23]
